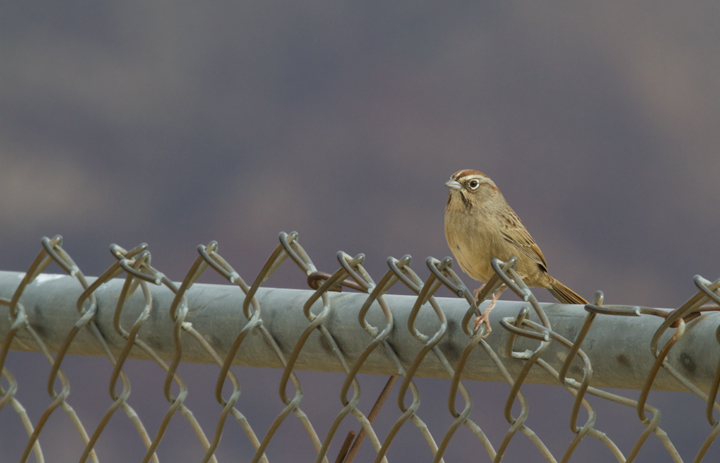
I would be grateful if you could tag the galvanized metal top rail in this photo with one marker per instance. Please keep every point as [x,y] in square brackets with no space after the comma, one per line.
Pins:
[617,346]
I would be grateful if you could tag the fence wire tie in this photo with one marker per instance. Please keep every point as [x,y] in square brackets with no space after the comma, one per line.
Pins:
[292,248]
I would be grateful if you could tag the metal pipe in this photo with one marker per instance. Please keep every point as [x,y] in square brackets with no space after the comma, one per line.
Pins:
[618,347]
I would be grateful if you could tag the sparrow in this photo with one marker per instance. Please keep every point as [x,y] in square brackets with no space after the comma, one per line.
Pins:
[480,226]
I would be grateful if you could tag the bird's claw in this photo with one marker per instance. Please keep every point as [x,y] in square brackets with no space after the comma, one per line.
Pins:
[479,322]
[485,317]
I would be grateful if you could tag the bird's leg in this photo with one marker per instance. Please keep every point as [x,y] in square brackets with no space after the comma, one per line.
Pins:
[485,317]
[477,292]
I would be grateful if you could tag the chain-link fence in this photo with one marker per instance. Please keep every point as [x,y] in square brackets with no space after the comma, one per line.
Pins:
[362,329]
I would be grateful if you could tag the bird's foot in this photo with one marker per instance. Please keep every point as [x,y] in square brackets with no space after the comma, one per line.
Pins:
[476,293]
[485,317]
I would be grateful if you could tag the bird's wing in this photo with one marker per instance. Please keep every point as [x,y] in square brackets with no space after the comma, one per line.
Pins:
[516,234]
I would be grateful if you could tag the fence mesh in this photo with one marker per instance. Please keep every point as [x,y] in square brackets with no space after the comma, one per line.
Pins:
[139,275]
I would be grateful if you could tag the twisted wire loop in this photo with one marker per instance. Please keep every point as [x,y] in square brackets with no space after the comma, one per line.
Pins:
[139,272]
[119,400]
[477,338]
[353,268]
[441,274]
[209,257]
[52,252]
[543,332]
[379,338]
[360,280]
[289,247]
[399,271]
[677,319]
[506,275]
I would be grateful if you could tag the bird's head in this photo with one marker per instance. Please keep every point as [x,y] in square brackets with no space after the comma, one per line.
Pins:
[469,188]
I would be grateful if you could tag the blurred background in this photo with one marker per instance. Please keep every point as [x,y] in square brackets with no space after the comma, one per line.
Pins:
[177,124]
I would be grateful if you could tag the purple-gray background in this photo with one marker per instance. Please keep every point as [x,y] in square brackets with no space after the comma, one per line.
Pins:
[177,124]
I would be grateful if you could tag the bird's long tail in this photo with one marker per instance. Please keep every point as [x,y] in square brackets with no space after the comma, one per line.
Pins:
[564,294]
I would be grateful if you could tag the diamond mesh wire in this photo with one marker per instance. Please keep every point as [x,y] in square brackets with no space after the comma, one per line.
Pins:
[135,267]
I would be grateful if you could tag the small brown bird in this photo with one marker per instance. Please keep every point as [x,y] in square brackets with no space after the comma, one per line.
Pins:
[480,226]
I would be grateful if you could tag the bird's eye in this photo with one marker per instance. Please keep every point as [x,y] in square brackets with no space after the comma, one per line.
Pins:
[474,184]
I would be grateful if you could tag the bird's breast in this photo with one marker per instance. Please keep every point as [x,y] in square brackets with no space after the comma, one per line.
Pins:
[471,244]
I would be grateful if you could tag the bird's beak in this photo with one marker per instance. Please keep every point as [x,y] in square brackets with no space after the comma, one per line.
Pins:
[453,184]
